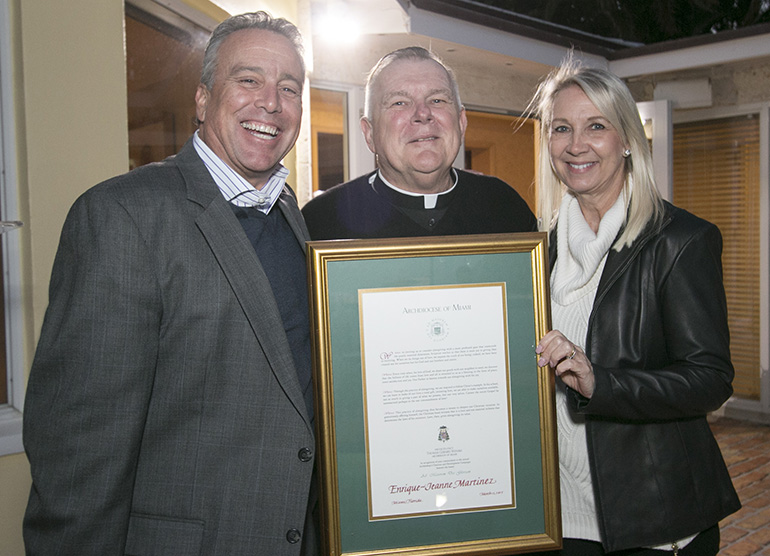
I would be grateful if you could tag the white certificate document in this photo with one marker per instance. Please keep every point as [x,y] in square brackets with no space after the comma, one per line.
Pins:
[437,399]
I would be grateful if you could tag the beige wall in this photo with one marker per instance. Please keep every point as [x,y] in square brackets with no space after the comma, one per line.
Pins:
[70,96]
[14,484]
[735,84]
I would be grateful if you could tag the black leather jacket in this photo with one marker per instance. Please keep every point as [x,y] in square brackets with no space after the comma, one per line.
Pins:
[659,345]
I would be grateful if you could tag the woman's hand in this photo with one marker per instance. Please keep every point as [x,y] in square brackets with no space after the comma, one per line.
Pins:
[568,361]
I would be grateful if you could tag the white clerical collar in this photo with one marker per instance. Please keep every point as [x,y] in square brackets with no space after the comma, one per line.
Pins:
[234,187]
[430,199]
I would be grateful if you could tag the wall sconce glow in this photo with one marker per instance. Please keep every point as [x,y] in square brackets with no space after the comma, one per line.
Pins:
[338,24]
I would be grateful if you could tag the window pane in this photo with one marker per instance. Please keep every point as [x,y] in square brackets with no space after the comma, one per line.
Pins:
[503,146]
[327,125]
[716,176]
[163,70]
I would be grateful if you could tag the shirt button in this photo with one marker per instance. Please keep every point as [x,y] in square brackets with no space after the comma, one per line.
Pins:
[432,222]
[293,536]
[305,454]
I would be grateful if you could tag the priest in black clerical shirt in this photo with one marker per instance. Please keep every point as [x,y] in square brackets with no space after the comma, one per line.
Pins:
[414,124]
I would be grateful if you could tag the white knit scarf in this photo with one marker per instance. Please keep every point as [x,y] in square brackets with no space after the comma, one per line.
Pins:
[580,251]
[575,278]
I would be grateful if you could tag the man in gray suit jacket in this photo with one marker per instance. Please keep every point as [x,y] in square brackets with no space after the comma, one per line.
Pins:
[169,407]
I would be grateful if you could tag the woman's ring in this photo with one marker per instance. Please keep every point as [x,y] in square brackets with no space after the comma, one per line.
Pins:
[572,355]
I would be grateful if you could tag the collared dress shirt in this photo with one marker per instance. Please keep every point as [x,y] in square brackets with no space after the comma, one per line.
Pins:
[234,187]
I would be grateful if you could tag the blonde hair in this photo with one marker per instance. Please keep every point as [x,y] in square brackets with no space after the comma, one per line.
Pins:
[613,99]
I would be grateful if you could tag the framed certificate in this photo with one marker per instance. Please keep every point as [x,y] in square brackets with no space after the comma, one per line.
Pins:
[436,427]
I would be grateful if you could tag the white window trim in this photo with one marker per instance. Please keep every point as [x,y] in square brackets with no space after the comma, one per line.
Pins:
[10,414]
[659,112]
[359,158]
[735,407]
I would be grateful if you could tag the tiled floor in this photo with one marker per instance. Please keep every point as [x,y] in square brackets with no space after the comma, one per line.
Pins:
[746,449]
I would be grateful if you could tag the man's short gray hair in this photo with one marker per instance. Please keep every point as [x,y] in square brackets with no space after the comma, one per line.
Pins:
[255,20]
[408,53]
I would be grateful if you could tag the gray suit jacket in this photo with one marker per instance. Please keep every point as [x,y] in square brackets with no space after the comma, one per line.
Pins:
[164,413]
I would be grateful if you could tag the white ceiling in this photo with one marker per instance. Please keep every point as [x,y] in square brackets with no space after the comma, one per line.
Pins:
[462,44]
[384,25]
[371,16]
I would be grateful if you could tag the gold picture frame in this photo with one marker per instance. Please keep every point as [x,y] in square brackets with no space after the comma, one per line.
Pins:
[436,428]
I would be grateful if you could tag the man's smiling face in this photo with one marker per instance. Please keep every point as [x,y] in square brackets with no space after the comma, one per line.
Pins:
[252,113]
[416,126]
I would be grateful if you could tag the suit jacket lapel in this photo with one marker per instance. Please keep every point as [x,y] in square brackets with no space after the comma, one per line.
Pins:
[287,203]
[243,271]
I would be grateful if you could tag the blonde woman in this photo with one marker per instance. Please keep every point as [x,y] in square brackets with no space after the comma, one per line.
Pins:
[640,344]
